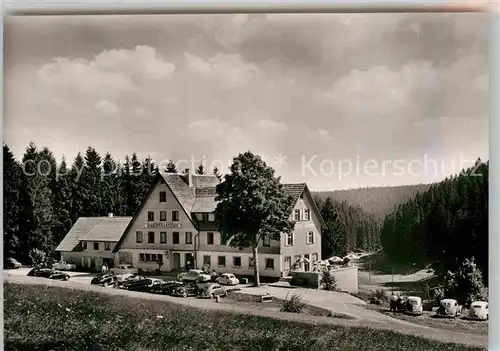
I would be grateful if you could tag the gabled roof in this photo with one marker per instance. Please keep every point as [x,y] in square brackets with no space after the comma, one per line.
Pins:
[294,190]
[94,229]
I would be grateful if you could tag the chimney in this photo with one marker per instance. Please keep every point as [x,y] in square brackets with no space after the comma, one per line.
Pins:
[110,214]
[189,177]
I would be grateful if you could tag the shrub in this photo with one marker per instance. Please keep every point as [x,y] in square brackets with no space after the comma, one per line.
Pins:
[328,281]
[380,294]
[37,257]
[293,304]
[437,295]
[466,285]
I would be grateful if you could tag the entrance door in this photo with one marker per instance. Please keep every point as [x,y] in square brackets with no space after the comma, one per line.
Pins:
[176,261]
[189,260]
[306,263]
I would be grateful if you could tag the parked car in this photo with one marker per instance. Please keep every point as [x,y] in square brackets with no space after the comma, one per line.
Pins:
[194,275]
[478,311]
[186,290]
[413,305]
[58,275]
[40,272]
[165,288]
[105,280]
[448,308]
[212,290]
[12,263]
[397,303]
[140,283]
[227,279]
[64,266]
[124,269]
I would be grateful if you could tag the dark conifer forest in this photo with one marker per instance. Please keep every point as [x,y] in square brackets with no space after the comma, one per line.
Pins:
[441,224]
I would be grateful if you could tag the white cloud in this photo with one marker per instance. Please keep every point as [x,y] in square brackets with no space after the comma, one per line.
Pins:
[106,107]
[268,125]
[322,135]
[228,67]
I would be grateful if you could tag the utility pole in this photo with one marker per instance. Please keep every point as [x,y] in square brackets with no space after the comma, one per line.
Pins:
[370,272]
[393,281]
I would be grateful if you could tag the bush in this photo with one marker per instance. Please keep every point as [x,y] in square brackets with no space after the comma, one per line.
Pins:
[293,305]
[437,296]
[37,257]
[380,295]
[466,285]
[327,280]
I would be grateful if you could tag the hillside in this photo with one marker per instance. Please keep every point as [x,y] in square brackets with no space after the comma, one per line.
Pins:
[378,200]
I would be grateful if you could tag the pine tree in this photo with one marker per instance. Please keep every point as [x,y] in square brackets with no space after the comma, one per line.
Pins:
[12,181]
[200,169]
[78,190]
[109,188]
[62,203]
[171,167]
[92,183]
[217,173]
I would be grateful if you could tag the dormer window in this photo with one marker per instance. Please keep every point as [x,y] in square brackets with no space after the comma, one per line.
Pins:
[204,216]
[84,245]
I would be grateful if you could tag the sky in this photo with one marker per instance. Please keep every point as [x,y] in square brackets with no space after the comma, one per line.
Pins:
[335,100]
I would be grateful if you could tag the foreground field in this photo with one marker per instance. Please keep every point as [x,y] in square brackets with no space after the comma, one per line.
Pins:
[52,318]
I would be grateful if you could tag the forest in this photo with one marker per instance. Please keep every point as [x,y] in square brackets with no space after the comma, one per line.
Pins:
[444,225]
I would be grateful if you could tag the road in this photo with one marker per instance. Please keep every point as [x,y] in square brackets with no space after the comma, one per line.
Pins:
[364,317]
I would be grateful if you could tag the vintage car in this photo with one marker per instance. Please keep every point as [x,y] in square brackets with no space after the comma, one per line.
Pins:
[124,269]
[165,288]
[227,279]
[213,289]
[58,275]
[186,290]
[12,263]
[478,311]
[64,266]
[413,306]
[194,275]
[40,272]
[140,283]
[105,280]
[449,308]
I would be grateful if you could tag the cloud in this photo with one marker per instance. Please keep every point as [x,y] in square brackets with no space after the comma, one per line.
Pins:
[321,135]
[106,107]
[228,67]
[270,126]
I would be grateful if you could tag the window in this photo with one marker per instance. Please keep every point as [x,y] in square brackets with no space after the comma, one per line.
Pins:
[211,217]
[163,216]
[204,216]
[296,216]
[199,216]
[266,240]
[296,258]
[307,215]
[163,196]
[159,258]
[269,263]
[207,260]
[175,237]
[151,237]
[175,216]
[237,261]
[148,258]
[250,262]
[189,238]
[96,246]
[151,216]
[310,238]
[289,239]
[221,261]
[107,246]
[138,237]
[210,238]
[163,237]
[314,257]
[141,257]
[288,262]
[84,245]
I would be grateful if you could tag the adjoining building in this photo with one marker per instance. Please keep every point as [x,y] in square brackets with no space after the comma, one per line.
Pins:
[175,227]
[91,241]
